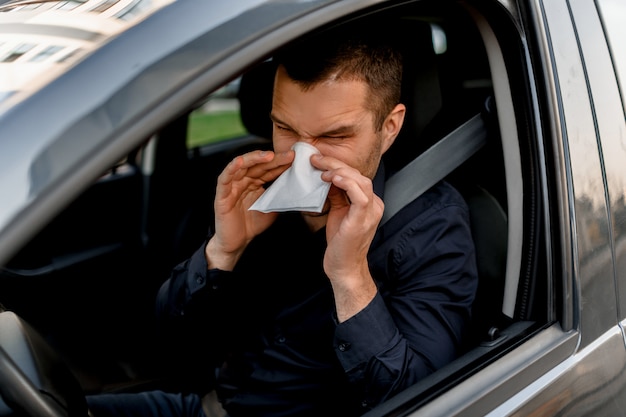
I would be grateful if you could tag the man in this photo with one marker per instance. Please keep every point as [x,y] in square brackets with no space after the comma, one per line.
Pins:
[310,313]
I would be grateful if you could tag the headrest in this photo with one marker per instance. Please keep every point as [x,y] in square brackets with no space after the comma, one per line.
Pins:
[255,99]
[421,92]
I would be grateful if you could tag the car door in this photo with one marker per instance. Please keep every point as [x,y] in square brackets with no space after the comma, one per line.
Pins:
[591,128]
[574,365]
[79,263]
[611,124]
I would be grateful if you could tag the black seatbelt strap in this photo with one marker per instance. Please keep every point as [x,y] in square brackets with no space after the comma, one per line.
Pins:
[433,165]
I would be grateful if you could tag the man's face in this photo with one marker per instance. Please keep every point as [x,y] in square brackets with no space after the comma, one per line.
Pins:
[330,116]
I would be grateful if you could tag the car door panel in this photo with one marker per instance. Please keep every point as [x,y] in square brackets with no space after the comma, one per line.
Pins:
[74,266]
[494,388]
[557,371]
[592,269]
[610,68]
[583,384]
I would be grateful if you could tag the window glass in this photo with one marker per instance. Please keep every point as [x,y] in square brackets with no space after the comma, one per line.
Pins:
[70,54]
[613,14]
[105,5]
[613,136]
[45,53]
[133,9]
[217,119]
[440,43]
[17,52]
[67,5]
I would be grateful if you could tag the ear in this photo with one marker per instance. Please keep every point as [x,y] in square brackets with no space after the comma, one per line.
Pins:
[392,125]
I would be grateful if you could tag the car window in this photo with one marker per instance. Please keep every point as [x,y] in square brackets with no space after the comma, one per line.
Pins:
[217,119]
[612,127]
[613,14]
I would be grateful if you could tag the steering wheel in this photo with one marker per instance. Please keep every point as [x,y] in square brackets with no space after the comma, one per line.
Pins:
[34,381]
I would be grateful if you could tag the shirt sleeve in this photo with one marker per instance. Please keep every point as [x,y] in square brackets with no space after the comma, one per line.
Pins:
[426,276]
[189,287]
[188,303]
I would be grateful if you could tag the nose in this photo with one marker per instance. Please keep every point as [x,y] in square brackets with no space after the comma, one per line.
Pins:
[307,140]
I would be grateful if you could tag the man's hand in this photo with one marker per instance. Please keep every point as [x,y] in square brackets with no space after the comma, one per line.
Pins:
[354,214]
[238,187]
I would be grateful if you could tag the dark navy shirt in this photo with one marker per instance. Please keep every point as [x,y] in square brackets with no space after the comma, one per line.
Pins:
[271,322]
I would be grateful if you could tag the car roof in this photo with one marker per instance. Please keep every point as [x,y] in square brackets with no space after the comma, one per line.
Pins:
[60,136]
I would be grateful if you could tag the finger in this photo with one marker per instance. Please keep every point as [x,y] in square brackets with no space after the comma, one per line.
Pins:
[358,189]
[326,163]
[256,166]
[240,164]
[251,160]
[359,193]
[229,184]
[268,171]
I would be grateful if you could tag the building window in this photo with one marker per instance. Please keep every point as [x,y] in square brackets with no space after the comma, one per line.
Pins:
[17,52]
[45,53]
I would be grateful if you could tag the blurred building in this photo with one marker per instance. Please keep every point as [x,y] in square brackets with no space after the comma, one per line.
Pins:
[41,37]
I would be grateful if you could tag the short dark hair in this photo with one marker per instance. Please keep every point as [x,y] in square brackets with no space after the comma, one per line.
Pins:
[349,56]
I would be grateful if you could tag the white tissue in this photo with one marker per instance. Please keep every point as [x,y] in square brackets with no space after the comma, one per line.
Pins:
[299,188]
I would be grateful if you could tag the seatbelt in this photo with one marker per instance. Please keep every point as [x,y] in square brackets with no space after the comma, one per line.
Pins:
[433,165]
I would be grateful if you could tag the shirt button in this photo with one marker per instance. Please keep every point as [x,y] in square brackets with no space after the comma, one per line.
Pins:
[199,279]
[364,404]
[343,347]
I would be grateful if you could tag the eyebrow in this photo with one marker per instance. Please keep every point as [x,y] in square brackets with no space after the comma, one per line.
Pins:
[340,130]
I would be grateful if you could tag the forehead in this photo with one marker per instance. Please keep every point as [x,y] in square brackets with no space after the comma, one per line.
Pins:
[324,103]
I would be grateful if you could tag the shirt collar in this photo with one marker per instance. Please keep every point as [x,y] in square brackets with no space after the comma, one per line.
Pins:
[379,181]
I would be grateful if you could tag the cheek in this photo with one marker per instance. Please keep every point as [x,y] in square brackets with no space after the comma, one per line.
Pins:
[354,151]
[337,150]
[326,148]
[362,153]
[282,142]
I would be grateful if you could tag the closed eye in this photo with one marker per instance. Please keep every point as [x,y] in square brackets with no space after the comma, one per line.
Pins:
[334,137]
[283,128]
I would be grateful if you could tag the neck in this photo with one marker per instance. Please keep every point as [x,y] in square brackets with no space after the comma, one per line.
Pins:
[315,221]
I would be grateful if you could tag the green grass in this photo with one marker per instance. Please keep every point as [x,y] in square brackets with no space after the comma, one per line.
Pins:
[205,128]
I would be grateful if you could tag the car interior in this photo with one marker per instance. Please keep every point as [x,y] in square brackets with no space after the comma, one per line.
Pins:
[88,280]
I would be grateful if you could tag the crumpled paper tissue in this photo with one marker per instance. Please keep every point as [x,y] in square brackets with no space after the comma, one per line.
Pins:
[299,188]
